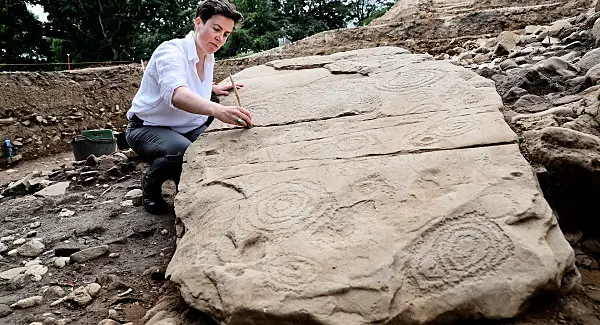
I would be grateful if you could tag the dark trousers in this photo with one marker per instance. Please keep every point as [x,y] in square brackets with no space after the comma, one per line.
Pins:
[161,147]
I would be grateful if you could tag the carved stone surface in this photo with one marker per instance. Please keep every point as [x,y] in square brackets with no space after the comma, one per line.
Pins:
[390,192]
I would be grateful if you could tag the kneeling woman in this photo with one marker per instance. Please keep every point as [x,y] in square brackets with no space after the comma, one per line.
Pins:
[172,107]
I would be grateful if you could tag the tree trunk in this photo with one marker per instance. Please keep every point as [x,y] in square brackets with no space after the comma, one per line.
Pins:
[115,53]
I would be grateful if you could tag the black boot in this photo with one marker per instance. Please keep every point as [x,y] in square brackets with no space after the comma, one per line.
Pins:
[152,199]
[152,181]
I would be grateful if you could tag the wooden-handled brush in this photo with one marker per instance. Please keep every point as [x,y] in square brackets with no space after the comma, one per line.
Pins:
[237,96]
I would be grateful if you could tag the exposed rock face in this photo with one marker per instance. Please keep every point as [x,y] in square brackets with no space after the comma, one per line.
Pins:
[408,9]
[551,100]
[378,187]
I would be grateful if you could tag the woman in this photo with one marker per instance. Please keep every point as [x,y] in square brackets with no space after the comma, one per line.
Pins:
[172,107]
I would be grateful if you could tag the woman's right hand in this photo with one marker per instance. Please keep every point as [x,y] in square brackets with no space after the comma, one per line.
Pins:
[235,115]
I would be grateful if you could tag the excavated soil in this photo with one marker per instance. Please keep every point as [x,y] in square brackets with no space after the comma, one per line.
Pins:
[43,111]
[143,243]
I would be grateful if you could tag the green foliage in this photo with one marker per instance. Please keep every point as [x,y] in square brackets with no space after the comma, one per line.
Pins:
[115,29]
[20,38]
[365,11]
[372,16]
[105,30]
[259,31]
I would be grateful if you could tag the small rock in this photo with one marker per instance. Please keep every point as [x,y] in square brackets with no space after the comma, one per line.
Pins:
[66,213]
[594,73]
[28,302]
[81,296]
[538,58]
[89,254]
[127,203]
[113,255]
[54,292]
[7,238]
[535,29]
[34,225]
[32,248]
[135,196]
[19,241]
[31,234]
[49,320]
[5,310]
[108,322]
[36,272]
[61,262]
[112,282]
[559,66]
[3,248]
[11,273]
[33,262]
[93,289]
[130,154]
[573,238]
[557,27]
[92,161]
[506,43]
[585,261]
[112,314]
[589,60]
[479,58]
[156,273]
[596,30]
[53,190]
[121,156]
[7,121]
[508,64]
[114,172]
[592,246]
[90,230]
[89,173]
[530,104]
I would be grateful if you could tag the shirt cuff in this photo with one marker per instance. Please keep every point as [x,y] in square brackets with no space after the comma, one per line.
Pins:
[168,94]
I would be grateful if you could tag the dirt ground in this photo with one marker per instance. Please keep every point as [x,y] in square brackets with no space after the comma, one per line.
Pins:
[144,244]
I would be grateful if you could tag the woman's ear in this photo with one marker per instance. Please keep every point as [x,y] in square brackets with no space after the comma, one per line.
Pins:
[197,22]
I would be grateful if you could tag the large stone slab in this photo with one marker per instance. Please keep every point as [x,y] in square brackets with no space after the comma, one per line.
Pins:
[378,187]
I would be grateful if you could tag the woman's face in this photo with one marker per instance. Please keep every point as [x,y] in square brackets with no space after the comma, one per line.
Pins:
[210,36]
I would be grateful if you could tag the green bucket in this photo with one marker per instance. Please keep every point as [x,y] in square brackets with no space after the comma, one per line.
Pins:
[83,147]
[98,134]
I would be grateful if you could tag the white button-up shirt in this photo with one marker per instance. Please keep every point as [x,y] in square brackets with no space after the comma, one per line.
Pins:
[173,64]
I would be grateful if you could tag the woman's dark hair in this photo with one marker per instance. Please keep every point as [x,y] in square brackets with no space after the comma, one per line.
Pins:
[209,8]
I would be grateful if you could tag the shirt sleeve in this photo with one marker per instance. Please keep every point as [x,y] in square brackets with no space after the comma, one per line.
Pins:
[170,70]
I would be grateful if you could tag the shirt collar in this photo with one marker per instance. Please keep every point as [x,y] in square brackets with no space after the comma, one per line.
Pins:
[190,49]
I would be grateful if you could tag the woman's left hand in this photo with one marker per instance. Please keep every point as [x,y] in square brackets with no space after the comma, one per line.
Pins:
[223,89]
